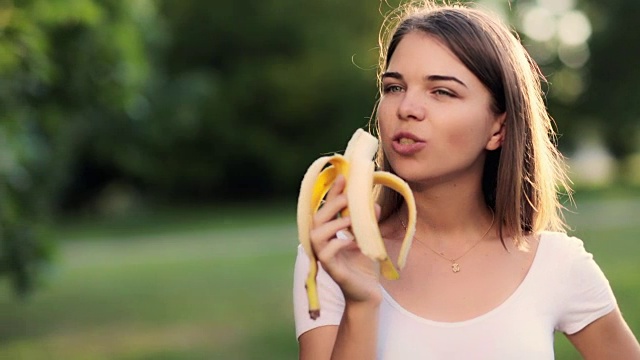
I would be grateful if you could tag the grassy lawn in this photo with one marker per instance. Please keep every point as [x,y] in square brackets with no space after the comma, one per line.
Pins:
[184,289]
[216,284]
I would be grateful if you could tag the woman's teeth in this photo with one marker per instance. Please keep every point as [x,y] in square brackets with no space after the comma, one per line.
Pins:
[405,141]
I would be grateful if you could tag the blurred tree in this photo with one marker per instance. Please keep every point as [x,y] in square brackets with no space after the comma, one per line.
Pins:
[612,98]
[201,101]
[70,72]
[253,91]
[592,82]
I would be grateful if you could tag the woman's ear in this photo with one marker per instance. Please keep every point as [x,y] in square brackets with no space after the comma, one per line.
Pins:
[497,132]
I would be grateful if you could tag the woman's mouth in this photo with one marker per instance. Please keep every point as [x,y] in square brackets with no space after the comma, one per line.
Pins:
[407,144]
[405,141]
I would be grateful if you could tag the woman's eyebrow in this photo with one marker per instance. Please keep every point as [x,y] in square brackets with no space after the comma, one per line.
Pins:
[398,76]
[444,78]
[392,74]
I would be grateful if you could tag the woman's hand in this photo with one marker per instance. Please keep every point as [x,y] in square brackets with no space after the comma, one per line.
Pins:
[338,253]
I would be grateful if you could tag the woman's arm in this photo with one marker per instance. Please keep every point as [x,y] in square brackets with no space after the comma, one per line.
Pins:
[317,343]
[607,338]
[355,338]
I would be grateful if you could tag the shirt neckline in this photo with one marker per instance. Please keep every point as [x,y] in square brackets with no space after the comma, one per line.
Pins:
[533,269]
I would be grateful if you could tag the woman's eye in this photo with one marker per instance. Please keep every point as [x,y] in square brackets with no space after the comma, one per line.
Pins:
[392,88]
[443,92]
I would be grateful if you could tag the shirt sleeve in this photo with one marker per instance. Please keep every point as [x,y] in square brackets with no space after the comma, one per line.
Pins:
[329,293]
[587,293]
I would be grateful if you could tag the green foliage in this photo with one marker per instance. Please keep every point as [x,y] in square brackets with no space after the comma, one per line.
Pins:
[109,104]
[253,91]
[69,71]
[608,102]
[613,98]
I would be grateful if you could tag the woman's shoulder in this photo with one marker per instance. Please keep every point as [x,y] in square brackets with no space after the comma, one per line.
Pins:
[581,291]
[561,242]
[561,249]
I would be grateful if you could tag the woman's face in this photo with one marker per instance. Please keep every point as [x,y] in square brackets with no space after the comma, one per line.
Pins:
[434,115]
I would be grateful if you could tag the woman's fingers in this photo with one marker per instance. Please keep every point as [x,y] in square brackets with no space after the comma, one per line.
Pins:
[330,210]
[322,234]
[343,240]
[337,187]
[329,234]
[334,203]
[344,235]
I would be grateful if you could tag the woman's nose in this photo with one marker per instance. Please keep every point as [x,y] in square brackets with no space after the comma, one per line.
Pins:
[411,107]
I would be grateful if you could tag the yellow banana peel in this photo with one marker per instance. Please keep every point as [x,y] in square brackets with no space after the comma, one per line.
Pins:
[358,168]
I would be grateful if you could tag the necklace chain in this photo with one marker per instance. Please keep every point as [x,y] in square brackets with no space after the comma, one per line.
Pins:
[455,267]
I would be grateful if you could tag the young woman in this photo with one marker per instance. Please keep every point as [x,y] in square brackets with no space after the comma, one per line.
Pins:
[491,274]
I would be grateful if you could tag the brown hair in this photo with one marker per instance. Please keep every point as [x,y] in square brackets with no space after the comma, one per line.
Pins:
[522,178]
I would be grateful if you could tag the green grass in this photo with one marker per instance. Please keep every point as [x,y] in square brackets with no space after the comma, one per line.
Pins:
[216,284]
[611,232]
[191,293]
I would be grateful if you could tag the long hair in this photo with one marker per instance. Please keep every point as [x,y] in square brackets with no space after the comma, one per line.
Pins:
[522,179]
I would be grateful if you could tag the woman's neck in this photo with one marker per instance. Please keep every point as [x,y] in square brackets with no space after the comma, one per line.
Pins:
[450,214]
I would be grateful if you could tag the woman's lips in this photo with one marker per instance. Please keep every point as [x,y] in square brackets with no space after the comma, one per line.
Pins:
[407,144]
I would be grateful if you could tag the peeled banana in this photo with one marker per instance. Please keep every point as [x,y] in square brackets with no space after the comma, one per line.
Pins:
[358,168]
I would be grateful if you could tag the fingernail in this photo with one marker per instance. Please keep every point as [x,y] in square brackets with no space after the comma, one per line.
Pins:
[343,235]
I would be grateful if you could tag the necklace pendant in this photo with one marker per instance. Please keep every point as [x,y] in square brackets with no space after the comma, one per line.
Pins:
[455,267]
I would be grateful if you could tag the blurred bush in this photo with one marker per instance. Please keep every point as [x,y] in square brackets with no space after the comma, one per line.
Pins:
[110,105]
[70,72]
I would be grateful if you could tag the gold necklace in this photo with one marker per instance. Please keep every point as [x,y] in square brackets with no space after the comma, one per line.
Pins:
[455,267]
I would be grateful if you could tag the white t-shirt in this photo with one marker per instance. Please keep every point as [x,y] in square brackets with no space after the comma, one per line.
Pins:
[564,290]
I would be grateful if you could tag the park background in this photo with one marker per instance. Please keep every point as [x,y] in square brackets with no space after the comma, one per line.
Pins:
[151,152]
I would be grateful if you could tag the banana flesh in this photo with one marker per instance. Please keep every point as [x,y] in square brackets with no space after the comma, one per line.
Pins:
[358,168]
